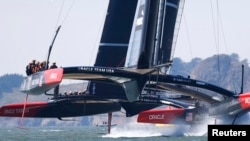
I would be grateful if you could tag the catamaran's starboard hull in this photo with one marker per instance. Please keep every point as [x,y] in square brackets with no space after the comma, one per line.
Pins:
[161,116]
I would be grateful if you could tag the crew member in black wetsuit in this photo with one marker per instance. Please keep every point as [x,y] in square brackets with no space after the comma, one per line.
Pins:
[29,69]
[53,65]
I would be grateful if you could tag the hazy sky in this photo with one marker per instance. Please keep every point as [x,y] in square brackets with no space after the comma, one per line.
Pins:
[27,28]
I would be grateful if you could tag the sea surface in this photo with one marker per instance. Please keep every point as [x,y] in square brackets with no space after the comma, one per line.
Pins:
[87,133]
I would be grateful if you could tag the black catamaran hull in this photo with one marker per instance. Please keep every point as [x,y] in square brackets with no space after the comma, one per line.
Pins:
[65,107]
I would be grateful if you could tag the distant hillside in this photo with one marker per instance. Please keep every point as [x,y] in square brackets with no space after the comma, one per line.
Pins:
[222,70]
[9,82]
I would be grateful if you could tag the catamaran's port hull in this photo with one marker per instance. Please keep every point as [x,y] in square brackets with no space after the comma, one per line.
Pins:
[61,108]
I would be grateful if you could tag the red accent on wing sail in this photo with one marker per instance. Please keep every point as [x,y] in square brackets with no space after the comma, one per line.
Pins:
[161,116]
[16,110]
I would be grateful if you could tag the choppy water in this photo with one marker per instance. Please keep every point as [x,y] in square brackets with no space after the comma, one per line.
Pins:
[86,134]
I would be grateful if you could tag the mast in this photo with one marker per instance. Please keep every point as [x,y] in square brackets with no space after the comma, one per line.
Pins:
[137,37]
[150,34]
[50,48]
[171,8]
[160,31]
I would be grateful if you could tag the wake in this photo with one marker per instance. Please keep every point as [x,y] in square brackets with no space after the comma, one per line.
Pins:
[131,132]
[138,130]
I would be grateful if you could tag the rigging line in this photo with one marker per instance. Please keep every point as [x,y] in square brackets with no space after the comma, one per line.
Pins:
[99,35]
[218,36]
[213,23]
[218,42]
[67,13]
[180,13]
[218,27]
[122,61]
[56,28]
[215,37]
[189,42]
[223,34]
[225,43]
[60,13]
[57,21]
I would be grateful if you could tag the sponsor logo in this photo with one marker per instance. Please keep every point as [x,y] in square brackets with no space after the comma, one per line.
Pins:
[152,117]
[247,100]
[15,111]
[200,83]
[97,69]
[53,75]
[237,132]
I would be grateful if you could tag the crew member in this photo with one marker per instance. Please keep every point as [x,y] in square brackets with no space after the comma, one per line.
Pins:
[28,69]
[34,66]
[41,66]
[56,89]
[53,65]
[31,68]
